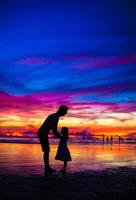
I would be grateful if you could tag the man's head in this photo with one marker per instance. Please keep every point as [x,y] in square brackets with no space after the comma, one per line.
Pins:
[62,110]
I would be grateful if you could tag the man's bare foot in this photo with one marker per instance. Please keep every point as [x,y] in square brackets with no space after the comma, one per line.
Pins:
[49,170]
[63,171]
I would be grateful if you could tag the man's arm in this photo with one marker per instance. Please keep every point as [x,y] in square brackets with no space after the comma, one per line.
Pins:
[55,131]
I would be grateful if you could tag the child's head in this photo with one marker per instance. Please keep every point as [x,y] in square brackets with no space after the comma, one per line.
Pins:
[64,131]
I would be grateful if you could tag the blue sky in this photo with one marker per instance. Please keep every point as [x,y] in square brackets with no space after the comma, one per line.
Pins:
[42,40]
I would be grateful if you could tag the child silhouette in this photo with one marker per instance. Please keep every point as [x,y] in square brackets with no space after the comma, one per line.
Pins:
[63,152]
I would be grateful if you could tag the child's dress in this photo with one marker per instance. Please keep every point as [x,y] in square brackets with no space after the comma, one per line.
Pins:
[63,152]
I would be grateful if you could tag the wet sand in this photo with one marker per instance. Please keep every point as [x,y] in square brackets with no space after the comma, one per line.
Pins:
[119,184]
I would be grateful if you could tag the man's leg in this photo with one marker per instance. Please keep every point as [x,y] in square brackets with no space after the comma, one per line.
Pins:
[48,169]
[44,141]
[46,159]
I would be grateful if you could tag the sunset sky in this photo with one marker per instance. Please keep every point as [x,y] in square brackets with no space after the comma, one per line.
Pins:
[78,53]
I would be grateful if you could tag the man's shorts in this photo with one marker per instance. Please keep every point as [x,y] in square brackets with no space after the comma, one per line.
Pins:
[44,141]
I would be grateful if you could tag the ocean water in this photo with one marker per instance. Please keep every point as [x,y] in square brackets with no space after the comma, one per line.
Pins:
[27,159]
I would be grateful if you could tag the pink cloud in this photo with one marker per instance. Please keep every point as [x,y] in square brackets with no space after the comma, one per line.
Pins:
[104,90]
[97,62]
[80,61]
[108,107]
[29,104]
[34,61]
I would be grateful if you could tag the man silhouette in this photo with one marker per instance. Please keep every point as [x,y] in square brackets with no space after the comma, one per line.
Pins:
[50,123]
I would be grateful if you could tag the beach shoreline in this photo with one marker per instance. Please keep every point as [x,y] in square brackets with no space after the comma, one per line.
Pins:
[109,184]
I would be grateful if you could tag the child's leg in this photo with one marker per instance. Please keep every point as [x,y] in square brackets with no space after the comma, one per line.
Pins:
[65,165]
[64,168]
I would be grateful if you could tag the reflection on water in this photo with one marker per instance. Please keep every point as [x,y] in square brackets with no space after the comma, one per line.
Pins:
[26,159]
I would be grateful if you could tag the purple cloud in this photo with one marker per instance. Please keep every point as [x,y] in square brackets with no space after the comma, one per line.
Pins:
[33,61]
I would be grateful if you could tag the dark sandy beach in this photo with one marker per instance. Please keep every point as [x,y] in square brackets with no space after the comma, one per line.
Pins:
[119,184]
